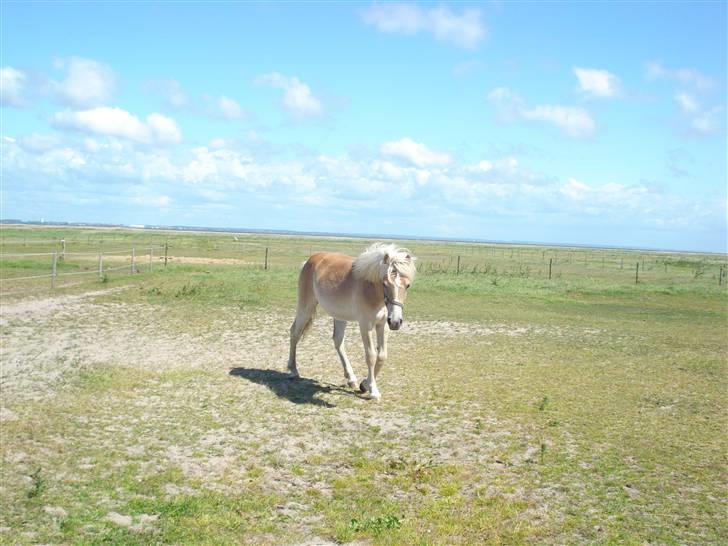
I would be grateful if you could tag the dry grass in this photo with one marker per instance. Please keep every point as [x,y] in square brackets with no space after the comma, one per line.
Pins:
[157,411]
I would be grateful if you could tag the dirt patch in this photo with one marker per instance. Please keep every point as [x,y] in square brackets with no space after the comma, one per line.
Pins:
[39,308]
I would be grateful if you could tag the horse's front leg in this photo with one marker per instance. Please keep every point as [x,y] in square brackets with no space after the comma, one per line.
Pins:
[381,348]
[370,353]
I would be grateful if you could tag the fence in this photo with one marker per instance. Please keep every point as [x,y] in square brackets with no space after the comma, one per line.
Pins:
[477,260]
[62,264]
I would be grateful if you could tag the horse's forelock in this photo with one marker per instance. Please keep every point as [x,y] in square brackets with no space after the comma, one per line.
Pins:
[404,263]
[370,264]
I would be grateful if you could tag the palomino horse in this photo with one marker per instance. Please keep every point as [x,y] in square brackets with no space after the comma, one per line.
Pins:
[370,290]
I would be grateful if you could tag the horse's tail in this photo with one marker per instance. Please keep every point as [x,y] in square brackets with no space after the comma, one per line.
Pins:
[306,298]
[309,323]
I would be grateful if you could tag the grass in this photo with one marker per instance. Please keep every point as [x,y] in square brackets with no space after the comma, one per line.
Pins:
[585,409]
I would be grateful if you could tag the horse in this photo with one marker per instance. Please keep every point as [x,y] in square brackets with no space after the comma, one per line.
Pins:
[370,289]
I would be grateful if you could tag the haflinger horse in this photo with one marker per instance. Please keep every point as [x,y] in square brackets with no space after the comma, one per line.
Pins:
[370,290]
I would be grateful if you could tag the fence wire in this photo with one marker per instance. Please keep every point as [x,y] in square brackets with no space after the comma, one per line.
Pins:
[136,261]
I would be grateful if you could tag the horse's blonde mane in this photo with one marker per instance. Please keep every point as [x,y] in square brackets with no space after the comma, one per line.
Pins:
[370,265]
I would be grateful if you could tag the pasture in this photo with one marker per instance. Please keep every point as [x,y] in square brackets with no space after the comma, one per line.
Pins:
[153,408]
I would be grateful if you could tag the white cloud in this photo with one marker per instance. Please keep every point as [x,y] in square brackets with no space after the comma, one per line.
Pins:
[688,103]
[395,18]
[12,82]
[610,195]
[697,119]
[227,168]
[39,143]
[484,166]
[598,83]
[88,83]
[205,178]
[298,99]
[152,200]
[574,121]
[700,120]
[163,130]
[170,91]
[707,122]
[685,76]
[230,109]
[115,122]
[414,152]
[464,30]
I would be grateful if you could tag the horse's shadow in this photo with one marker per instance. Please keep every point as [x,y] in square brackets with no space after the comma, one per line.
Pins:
[297,390]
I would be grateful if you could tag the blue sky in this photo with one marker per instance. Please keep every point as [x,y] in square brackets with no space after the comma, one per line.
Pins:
[564,122]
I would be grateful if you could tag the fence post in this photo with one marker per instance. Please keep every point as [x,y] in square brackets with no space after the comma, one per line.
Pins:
[637,274]
[55,266]
[266,259]
[63,250]
[458,269]
[551,260]
[166,245]
[132,260]
[101,266]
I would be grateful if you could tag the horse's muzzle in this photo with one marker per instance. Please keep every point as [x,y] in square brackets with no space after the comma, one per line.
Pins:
[394,324]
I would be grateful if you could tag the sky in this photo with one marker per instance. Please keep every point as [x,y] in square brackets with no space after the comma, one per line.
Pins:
[583,122]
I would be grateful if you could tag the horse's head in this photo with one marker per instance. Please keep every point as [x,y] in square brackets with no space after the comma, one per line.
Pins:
[395,269]
[396,281]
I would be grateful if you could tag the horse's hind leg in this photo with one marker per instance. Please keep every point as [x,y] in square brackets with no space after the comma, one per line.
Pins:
[305,313]
[302,322]
[339,331]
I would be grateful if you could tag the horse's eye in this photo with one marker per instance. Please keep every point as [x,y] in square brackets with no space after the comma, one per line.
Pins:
[407,287]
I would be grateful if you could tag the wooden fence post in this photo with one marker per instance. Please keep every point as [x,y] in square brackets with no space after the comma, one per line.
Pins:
[101,266]
[166,245]
[266,259]
[637,274]
[55,266]
[63,250]
[551,260]
[458,269]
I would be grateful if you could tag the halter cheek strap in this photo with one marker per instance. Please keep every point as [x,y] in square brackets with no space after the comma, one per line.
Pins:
[390,301]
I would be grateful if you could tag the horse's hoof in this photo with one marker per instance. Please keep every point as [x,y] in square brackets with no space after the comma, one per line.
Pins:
[376,397]
[362,388]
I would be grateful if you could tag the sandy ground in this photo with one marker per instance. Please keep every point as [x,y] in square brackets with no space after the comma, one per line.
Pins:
[238,416]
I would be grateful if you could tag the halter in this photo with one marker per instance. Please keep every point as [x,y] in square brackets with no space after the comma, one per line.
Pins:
[388,300]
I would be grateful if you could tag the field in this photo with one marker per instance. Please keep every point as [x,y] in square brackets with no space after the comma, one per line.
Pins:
[152,407]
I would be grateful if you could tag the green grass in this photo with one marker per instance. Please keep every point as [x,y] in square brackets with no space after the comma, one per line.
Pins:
[585,409]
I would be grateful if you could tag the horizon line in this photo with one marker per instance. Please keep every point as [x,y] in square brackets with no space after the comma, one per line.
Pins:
[472,240]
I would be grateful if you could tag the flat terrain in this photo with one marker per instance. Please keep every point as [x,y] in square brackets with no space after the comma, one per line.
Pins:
[153,408]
